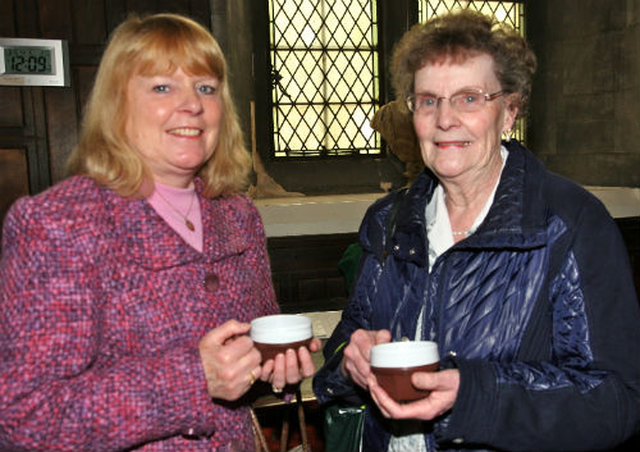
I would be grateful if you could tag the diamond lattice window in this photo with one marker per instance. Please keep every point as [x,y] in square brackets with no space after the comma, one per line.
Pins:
[511,13]
[325,77]
[324,71]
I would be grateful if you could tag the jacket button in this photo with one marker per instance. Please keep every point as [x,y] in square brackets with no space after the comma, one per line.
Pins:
[211,282]
[190,434]
[412,251]
[195,435]
[396,248]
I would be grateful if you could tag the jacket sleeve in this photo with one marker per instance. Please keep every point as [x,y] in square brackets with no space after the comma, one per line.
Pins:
[52,395]
[575,386]
[329,384]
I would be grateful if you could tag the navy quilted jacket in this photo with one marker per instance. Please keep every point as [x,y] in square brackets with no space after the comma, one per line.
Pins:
[536,309]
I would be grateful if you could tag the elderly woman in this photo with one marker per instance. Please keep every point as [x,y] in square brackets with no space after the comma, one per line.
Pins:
[125,291]
[520,275]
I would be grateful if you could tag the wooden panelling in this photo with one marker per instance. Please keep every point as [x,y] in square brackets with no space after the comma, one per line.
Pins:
[7,24]
[89,18]
[62,127]
[13,177]
[11,114]
[55,18]
[305,271]
[83,78]
[26,19]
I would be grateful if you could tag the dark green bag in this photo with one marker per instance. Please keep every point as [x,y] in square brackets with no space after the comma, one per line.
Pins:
[343,428]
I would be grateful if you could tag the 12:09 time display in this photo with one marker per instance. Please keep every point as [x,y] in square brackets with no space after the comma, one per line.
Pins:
[31,60]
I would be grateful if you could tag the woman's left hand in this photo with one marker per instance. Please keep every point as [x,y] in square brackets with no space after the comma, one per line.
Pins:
[290,367]
[444,391]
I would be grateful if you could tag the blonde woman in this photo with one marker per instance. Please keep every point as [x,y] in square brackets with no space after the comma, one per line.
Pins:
[126,290]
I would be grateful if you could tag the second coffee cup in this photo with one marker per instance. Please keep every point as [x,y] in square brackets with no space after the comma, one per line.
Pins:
[394,363]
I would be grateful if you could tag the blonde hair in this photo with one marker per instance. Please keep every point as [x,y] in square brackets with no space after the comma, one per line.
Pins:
[156,44]
[459,35]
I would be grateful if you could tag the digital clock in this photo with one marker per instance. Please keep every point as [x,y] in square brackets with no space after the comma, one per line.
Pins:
[33,62]
[28,60]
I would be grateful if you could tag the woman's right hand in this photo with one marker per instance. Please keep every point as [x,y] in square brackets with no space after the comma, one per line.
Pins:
[231,363]
[356,361]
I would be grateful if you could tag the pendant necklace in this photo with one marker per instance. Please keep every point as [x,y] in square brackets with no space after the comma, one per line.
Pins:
[185,217]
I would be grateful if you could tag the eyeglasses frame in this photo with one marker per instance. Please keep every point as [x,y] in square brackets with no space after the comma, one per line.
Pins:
[487,97]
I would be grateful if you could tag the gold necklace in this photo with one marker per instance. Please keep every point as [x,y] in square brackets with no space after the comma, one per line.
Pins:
[187,222]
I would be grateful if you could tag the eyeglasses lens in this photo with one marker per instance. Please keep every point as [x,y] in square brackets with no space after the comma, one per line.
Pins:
[464,102]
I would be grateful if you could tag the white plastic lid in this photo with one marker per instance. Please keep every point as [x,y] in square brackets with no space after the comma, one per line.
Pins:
[281,329]
[404,354]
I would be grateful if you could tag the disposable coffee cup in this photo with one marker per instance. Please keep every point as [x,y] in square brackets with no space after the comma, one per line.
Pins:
[394,363]
[275,334]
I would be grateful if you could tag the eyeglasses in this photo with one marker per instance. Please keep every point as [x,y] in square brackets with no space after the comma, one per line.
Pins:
[465,101]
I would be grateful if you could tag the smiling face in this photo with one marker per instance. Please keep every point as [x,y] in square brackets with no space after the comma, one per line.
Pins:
[173,123]
[462,147]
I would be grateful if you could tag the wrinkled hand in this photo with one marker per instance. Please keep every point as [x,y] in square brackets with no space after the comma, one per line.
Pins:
[356,362]
[231,363]
[291,367]
[444,391]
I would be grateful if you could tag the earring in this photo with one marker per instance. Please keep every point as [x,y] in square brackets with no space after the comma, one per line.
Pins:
[506,135]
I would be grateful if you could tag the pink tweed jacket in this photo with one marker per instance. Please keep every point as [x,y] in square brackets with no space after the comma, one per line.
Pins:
[102,306]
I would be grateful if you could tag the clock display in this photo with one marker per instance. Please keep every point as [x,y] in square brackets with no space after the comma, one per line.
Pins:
[34,62]
[28,60]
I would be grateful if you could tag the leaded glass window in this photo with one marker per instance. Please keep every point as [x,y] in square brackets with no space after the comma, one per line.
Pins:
[325,73]
[325,77]
[511,13]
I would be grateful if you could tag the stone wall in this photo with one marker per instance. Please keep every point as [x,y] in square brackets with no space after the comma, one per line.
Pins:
[585,109]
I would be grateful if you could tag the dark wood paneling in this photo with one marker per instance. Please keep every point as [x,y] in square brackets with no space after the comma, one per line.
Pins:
[305,271]
[89,22]
[62,127]
[142,6]
[6,19]
[115,13]
[55,19]
[11,114]
[26,19]
[35,139]
[83,77]
[13,178]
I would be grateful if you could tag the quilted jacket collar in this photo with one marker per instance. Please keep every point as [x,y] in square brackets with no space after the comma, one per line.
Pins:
[516,218]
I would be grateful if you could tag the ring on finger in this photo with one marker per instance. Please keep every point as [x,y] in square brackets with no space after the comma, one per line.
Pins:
[252,378]
[275,389]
